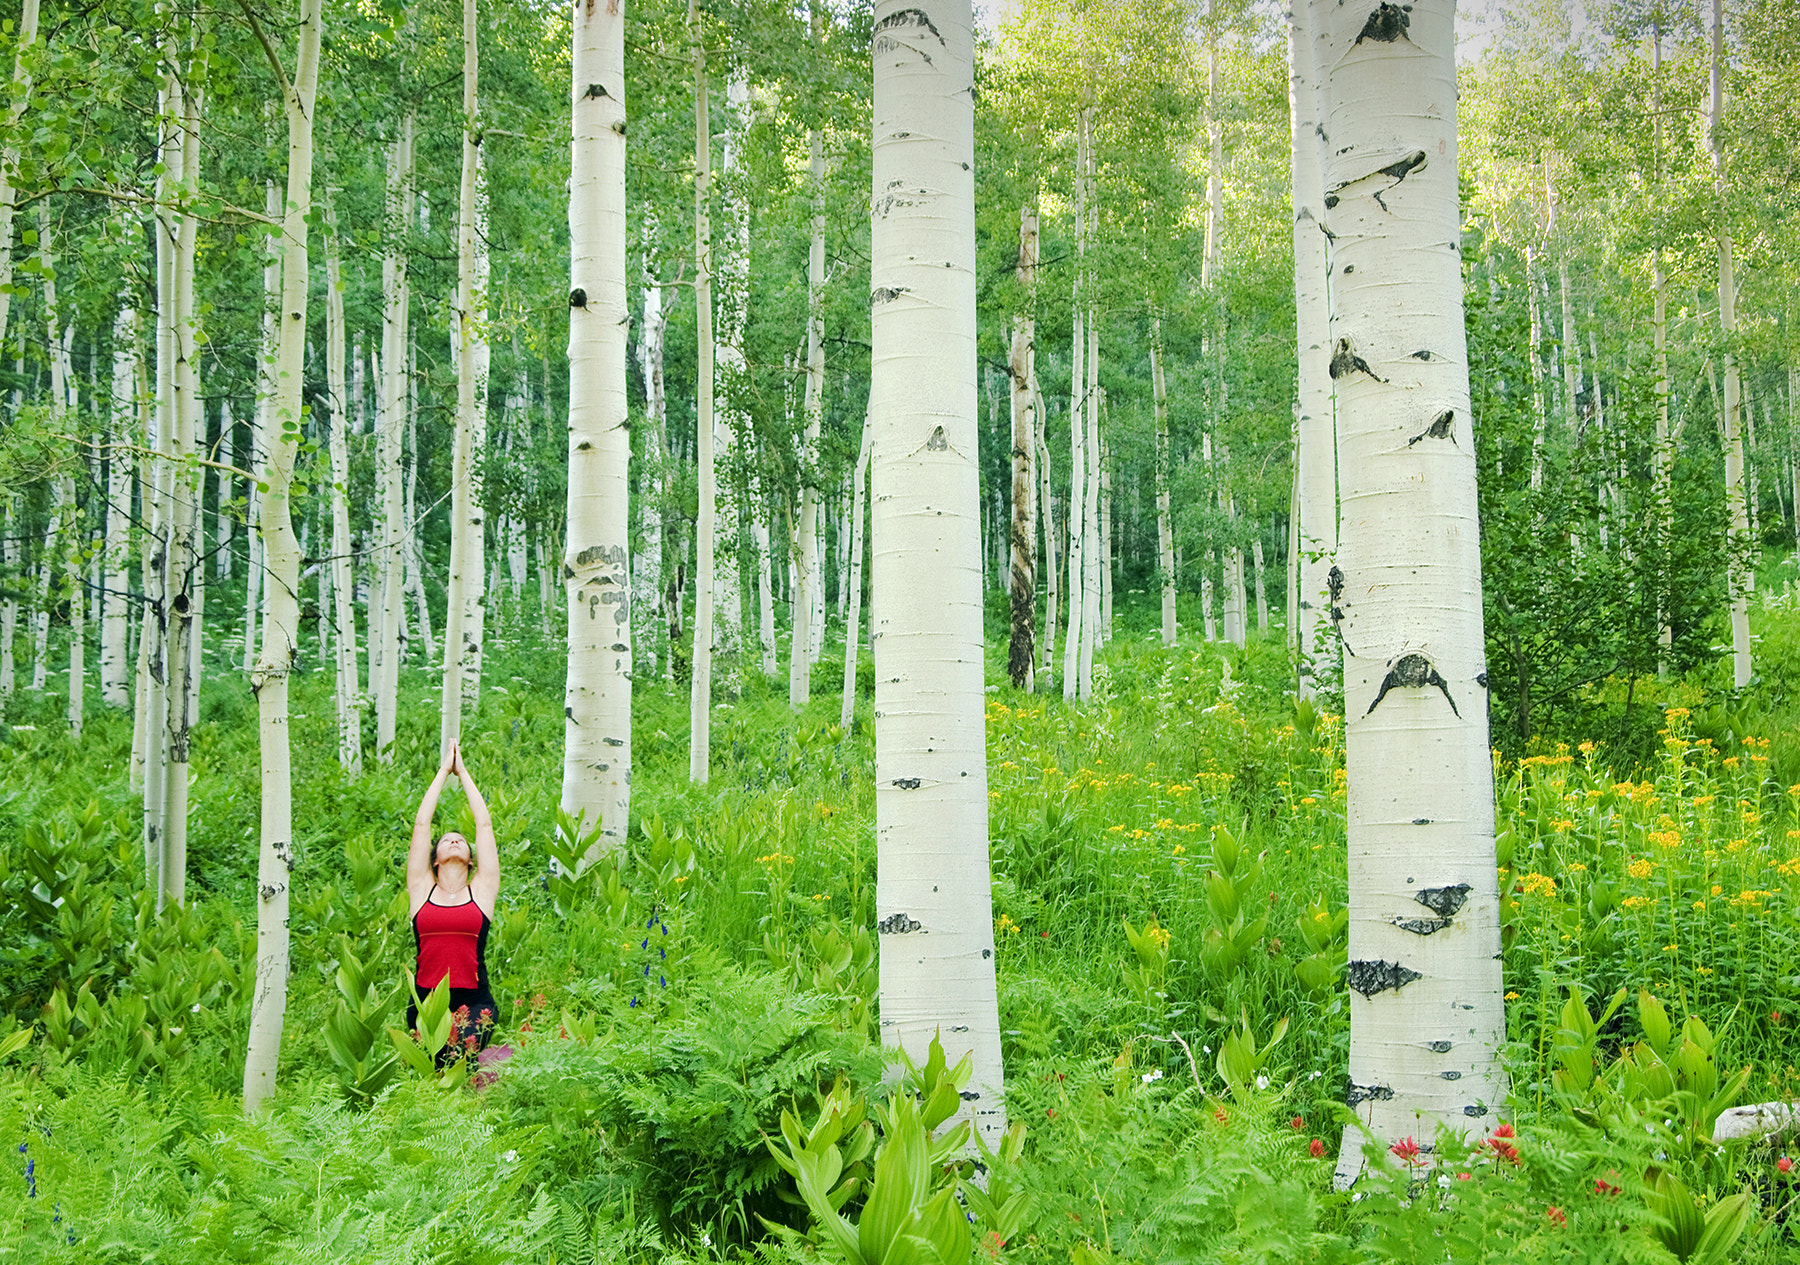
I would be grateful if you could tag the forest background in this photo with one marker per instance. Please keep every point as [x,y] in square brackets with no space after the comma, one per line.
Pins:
[1166,844]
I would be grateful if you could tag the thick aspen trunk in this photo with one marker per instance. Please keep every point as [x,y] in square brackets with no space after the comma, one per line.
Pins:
[281,619]
[348,695]
[706,516]
[1021,659]
[1426,1019]
[933,902]
[1740,576]
[390,435]
[853,582]
[729,418]
[596,560]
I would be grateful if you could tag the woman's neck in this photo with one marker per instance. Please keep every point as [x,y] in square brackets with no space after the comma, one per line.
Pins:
[452,879]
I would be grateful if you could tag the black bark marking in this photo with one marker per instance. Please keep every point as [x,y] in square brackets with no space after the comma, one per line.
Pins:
[1369,978]
[887,294]
[1438,1047]
[1481,679]
[937,442]
[1366,1093]
[578,297]
[1413,671]
[907,17]
[1403,168]
[1444,901]
[896,924]
[1422,926]
[1417,821]
[1450,1076]
[967,1095]
[1387,24]
[595,91]
[613,742]
[1475,1109]
[1345,361]
[1331,200]
[907,783]
[1439,429]
[1421,355]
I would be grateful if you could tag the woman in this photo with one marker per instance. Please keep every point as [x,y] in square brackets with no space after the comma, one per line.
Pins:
[451,913]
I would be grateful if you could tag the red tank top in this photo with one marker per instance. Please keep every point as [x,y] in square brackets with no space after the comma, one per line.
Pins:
[450,942]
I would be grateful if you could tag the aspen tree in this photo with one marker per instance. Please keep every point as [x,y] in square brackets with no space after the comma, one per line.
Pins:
[1165,515]
[115,623]
[281,617]
[63,546]
[178,234]
[259,424]
[648,577]
[390,433]
[348,696]
[732,268]
[10,555]
[462,637]
[1426,1019]
[803,650]
[1073,637]
[1315,448]
[26,36]
[853,580]
[706,516]
[596,561]
[1021,364]
[933,900]
[1740,578]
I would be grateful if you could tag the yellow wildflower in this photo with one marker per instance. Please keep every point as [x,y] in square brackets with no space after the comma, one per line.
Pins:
[1641,867]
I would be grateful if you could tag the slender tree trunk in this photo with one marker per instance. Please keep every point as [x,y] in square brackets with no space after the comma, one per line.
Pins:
[390,435]
[461,639]
[765,579]
[26,36]
[1105,552]
[648,579]
[1078,378]
[803,649]
[729,417]
[348,695]
[281,619]
[10,555]
[1426,1019]
[1090,494]
[259,425]
[1021,653]
[1740,577]
[63,551]
[1315,461]
[596,561]
[115,621]
[706,519]
[853,612]
[1165,505]
[933,901]
[1052,562]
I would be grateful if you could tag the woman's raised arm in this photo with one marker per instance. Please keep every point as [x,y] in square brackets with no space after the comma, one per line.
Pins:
[486,883]
[418,854]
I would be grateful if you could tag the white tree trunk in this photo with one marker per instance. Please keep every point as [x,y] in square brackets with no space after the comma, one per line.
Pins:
[933,903]
[390,434]
[648,579]
[804,650]
[1740,576]
[1052,562]
[706,517]
[475,563]
[25,36]
[467,322]
[1021,659]
[1165,513]
[1076,515]
[259,423]
[596,561]
[348,695]
[281,619]
[1090,494]
[1426,1019]
[10,555]
[729,416]
[765,577]
[413,578]
[1315,458]
[853,583]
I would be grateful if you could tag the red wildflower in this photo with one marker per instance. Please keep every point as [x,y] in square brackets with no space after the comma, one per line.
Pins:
[991,1243]
[1557,1216]
[1465,1177]
[1317,1148]
[1785,1164]
[1299,1122]
[1220,1115]
[1502,1143]
[1407,1150]
[1050,1112]
[1604,1187]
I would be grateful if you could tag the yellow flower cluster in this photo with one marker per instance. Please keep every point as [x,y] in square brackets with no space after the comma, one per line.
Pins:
[1535,884]
[775,858]
[1664,838]
[1641,867]
[1005,926]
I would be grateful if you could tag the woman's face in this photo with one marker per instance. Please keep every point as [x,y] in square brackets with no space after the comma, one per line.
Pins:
[453,847]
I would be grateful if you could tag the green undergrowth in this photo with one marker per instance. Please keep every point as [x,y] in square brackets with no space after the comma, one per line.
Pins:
[1169,893]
